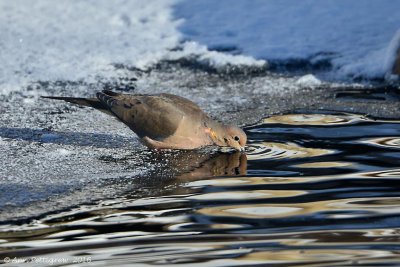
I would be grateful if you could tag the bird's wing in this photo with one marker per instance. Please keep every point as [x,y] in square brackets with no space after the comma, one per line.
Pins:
[183,104]
[154,116]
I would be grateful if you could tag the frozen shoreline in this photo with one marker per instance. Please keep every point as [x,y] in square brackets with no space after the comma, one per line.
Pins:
[62,155]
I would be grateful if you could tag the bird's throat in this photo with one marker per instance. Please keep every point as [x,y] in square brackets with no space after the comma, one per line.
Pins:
[215,137]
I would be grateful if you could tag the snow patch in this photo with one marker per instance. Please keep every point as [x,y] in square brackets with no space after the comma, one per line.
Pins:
[88,41]
[63,152]
[82,40]
[391,54]
[213,58]
[352,36]
[376,64]
[308,80]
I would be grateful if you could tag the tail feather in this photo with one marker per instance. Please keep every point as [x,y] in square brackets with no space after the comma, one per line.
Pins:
[106,99]
[87,102]
[110,93]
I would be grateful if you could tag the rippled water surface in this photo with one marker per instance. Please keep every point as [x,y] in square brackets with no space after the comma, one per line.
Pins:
[312,189]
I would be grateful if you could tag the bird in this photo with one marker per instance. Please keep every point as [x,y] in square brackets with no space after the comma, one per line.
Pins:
[164,121]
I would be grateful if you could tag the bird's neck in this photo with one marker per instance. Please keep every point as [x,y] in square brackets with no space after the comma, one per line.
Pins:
[216,131]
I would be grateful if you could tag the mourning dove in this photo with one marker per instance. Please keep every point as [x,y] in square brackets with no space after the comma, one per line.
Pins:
[165,121]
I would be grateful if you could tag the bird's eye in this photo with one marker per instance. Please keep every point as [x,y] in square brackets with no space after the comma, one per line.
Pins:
[237,138]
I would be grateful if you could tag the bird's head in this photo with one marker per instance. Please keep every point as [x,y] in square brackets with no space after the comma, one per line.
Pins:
[235,137]
[228,136]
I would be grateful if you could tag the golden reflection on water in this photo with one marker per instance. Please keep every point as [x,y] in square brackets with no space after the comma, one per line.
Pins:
[395,173]
[391,142]
[384,233]
[387,205]
[254,194]
[270,150]
[259,211]
[321,119]
[316,255]
[314,119]
[240,181]
[243,180]
[324,164]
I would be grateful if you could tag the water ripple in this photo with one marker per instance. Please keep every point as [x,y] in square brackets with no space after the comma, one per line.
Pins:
[267,150]
[314,119]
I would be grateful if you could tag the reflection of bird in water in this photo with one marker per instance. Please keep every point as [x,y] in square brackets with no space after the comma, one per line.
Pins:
[171,169]
[165,121]
[218,164]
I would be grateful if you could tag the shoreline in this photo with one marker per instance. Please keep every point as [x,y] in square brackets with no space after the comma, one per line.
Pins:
[80,138]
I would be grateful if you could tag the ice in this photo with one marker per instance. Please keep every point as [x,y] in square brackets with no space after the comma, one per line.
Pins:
[57,155]
[49,137]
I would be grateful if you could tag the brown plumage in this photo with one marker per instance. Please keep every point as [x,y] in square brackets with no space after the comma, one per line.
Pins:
[165,121]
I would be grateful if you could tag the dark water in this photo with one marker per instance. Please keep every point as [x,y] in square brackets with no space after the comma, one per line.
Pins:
[313,189]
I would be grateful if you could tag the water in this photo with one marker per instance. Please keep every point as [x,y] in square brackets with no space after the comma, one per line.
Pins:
[312,189]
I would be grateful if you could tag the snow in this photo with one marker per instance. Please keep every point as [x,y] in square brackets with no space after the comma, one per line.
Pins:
[391,53]
[308,80]
[353,36]
[212,58]
[81,40]
[86,40]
